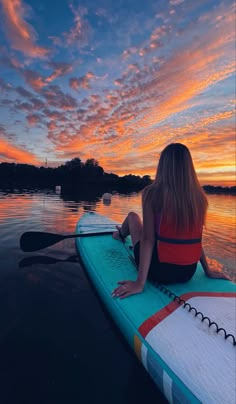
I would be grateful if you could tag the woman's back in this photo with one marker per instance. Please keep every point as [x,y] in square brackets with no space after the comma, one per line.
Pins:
[176,192]
[179,207]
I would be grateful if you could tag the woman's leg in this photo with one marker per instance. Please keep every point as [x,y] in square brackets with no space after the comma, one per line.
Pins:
[132,225]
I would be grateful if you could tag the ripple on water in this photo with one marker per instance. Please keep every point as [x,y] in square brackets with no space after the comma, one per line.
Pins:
[49,211]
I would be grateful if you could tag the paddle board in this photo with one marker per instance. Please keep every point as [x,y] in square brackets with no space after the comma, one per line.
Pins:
[189,361]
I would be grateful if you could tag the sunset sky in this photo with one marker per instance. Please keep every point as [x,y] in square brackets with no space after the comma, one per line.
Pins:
[118,81]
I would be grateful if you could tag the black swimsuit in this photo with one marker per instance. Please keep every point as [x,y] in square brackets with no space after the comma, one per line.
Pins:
[162,272]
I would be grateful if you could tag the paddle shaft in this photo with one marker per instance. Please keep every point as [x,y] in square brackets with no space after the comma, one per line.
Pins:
[101,233]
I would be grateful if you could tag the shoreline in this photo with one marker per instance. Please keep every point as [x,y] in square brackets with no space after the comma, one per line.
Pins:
[100,188]
[212,189]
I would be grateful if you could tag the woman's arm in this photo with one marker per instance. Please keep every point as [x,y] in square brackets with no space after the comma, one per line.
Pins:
[146,243]
[204,263]
[208,272]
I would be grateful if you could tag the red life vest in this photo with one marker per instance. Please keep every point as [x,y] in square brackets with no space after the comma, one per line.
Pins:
[180,248]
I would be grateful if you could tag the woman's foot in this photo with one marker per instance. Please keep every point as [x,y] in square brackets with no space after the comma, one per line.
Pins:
[118,235]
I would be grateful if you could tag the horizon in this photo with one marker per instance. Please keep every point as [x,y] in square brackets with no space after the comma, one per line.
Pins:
[119,82]
[226,184]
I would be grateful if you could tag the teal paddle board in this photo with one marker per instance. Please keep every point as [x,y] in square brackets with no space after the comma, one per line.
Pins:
[184,334]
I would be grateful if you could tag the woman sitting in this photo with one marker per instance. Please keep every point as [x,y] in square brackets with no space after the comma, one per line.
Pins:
[168,244]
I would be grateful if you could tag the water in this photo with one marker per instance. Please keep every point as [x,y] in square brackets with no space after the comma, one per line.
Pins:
[57,342]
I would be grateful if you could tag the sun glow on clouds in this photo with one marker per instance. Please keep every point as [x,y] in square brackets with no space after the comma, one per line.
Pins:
[12,153]
[121,98]
[20,33]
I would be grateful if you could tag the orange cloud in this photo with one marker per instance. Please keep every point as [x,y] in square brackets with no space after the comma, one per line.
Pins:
[152,105]
[58,99]
[60,69]
[20,33]
[81,82]
[33,119]
[35,80]
[79,33]
[9,153]
[52,126]
[151,44]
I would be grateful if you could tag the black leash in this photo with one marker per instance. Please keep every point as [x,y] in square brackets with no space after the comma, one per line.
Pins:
[183,302]
[197,313]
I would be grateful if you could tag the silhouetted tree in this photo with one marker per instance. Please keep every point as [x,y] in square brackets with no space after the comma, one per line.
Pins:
[75,173]
[92,170]
[91,163]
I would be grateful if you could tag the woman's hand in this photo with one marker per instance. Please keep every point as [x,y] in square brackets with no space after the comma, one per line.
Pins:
[209,272]
[127,288]
[217,275]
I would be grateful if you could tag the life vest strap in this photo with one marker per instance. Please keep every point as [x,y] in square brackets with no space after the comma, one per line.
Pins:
[178,241]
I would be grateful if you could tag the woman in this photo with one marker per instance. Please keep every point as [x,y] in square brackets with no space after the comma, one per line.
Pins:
[168,245]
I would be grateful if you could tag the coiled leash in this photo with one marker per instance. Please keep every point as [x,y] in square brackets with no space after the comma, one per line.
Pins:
[181,301]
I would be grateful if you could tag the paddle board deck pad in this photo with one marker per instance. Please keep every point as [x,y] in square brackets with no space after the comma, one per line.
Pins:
[189,360]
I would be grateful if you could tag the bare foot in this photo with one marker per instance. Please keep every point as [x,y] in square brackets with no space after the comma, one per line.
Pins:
[117,233]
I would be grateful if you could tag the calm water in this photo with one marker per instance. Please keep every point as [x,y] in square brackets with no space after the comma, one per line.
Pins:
[57,343]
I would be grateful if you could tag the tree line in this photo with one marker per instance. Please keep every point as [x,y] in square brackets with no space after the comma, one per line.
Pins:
[75,173]
[69,175]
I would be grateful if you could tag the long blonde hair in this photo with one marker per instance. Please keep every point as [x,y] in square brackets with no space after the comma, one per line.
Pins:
[176,191]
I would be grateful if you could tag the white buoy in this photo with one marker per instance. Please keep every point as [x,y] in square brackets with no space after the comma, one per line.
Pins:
[106,198]
[58,189]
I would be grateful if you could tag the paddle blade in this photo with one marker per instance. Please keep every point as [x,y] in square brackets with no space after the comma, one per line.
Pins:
[36,240]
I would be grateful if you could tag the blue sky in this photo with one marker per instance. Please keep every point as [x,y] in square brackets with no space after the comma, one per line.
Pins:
[118,81]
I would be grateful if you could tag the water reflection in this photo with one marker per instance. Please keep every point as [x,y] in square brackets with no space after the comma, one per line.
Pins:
[45,260]
[52,212]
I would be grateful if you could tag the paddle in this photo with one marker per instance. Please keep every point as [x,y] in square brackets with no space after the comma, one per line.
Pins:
[37,240]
